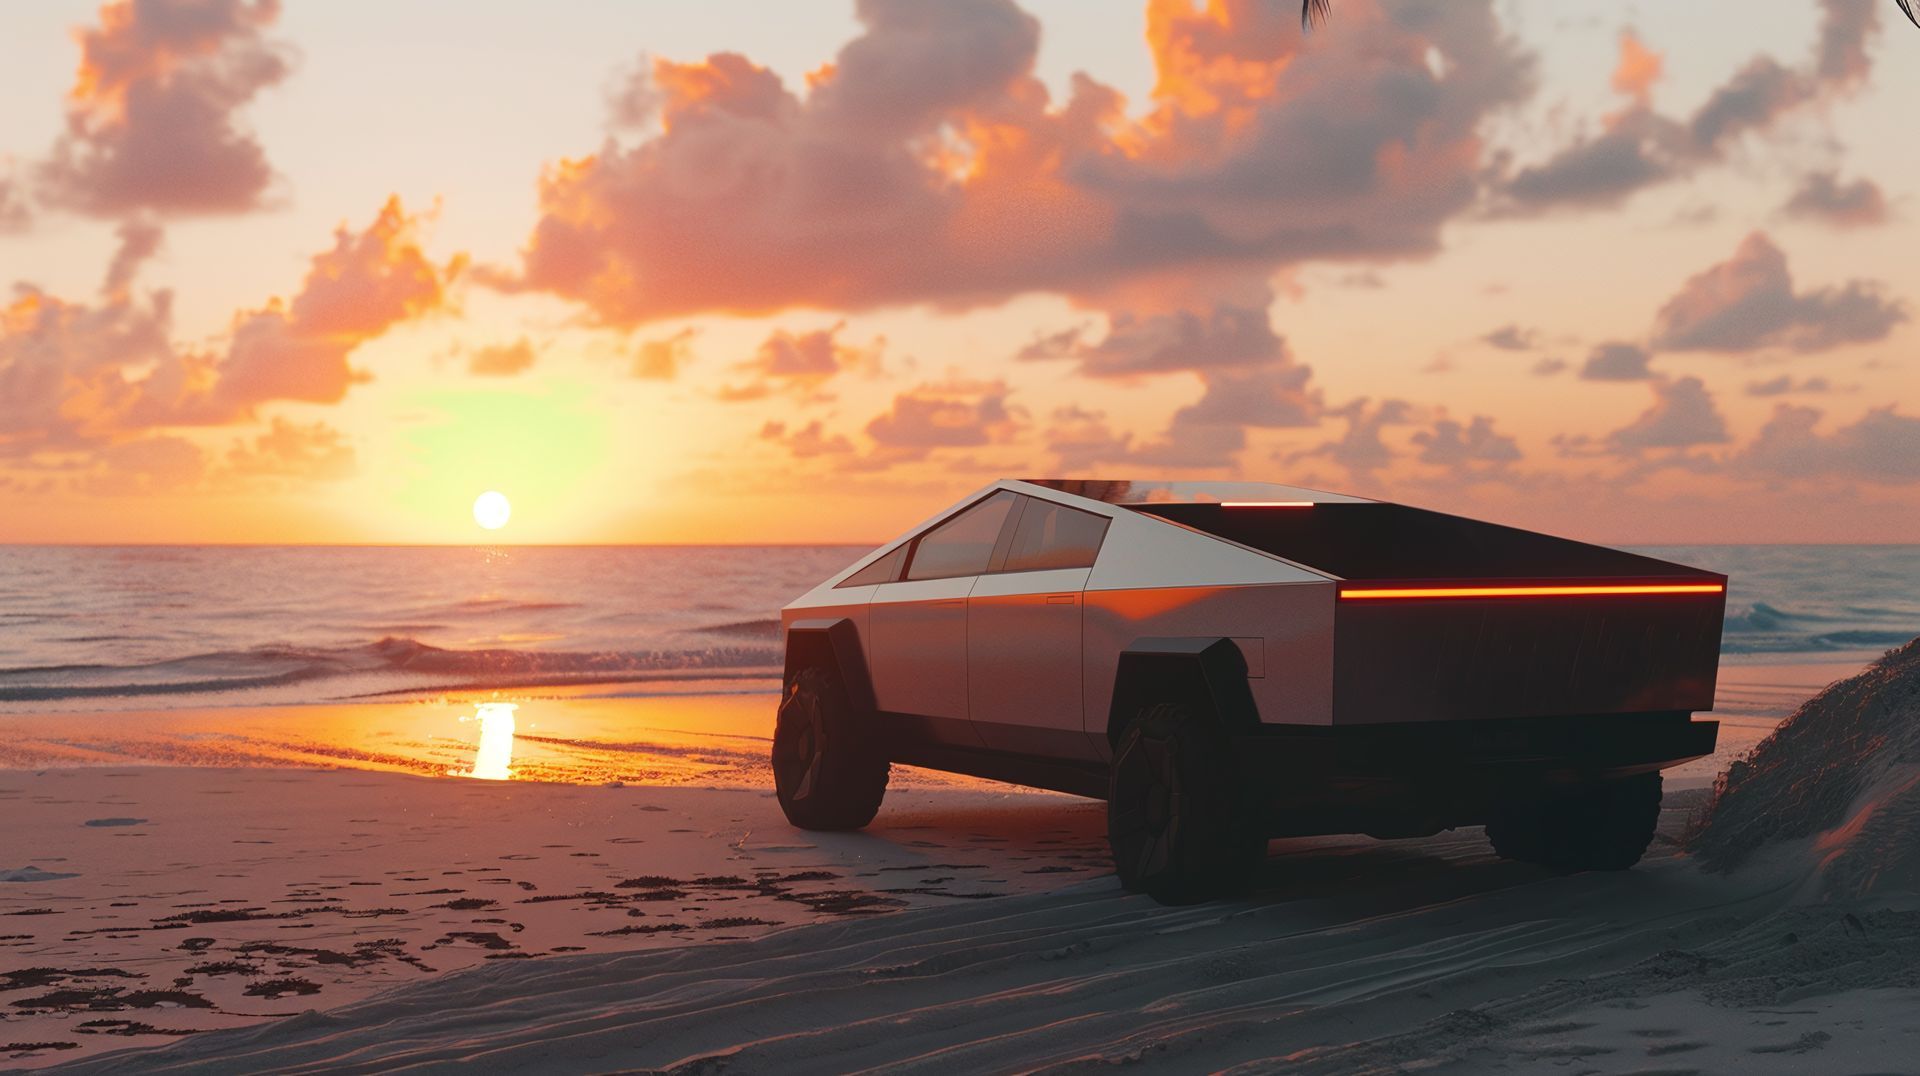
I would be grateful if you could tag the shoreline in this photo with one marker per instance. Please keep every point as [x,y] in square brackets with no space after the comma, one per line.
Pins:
[31,702]
[633,730]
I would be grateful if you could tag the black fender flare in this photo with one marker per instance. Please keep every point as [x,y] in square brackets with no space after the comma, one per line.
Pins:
[832,643]
[1208,672]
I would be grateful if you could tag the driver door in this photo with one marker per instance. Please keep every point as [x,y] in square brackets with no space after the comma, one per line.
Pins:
[918,655]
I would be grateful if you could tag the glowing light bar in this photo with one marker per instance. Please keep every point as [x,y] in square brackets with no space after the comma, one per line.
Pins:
[1532,592]
[1266,504]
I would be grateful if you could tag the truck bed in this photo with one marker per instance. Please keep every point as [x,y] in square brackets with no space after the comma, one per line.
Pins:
[1443,618]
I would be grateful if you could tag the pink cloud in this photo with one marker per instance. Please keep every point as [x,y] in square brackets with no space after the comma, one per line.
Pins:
[808,441]
[801,363]
[1638,147]
[1823,198]
[77,374]
[1749,302]
[914,169]
[311,452]
[1881,446]
[151,119]
[1683,415]
[949,415]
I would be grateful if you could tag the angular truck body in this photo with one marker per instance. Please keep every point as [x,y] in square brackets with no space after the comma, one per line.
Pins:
[1322,663]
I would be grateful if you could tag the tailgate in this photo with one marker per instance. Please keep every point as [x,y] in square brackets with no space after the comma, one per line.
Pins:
[1461,650]
[1442,617]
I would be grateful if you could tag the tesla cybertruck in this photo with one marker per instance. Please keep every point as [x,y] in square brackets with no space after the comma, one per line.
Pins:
[1224,663]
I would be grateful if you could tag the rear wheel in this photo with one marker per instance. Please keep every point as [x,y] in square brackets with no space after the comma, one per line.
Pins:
[1177,825]
[1601,826]
[827,771]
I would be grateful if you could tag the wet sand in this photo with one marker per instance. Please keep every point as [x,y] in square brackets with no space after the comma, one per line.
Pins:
[171,872]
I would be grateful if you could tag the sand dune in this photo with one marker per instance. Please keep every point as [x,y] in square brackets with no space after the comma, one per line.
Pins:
[1838,784]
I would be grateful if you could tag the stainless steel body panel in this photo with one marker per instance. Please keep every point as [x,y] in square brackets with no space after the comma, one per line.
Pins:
[850,602]
[1025,662]
[1292,621]
[917,647]
[1024,659]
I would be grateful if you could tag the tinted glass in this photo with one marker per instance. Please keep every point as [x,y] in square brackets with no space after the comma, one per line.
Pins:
[1118,492]
[884,570]
[962,545]
[1055,536]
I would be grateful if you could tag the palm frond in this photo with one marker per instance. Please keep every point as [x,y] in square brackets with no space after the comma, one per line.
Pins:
[1315,12]
[1905,5]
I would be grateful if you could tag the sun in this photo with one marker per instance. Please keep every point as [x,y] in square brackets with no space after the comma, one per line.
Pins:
[492,510]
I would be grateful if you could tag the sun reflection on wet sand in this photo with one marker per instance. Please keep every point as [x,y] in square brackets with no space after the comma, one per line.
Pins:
[582,736]
[493,756]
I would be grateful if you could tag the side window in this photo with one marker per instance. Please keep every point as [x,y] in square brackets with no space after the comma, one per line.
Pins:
[884,570]
[964,544]
[1055,536]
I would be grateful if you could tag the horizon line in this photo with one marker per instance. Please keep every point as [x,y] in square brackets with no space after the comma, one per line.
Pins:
[727,545]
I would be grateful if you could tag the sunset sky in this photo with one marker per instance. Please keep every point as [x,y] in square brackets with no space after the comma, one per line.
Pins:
[749,272]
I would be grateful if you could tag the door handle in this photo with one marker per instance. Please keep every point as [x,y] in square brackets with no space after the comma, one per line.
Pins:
[1060,599]
[949,602]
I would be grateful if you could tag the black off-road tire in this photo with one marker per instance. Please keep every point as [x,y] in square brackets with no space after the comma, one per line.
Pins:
[1179,828]
[828,772]
[1602,826]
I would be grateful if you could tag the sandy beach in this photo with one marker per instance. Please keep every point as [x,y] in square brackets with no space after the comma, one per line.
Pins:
[231,870]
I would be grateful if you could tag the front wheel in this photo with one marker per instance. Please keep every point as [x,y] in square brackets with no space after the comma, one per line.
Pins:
[1601,826]
[1176,823]
[827,772]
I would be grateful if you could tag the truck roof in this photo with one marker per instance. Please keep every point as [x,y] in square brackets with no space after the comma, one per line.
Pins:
[1357,539]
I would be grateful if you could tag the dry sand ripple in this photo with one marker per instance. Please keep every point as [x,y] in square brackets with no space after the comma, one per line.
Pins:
[1797,952]
[1074,979]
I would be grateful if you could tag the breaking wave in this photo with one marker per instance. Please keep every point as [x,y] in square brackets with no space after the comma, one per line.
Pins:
[388,664]
[1764,629]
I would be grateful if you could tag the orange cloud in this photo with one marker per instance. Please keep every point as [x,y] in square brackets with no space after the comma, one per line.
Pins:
[952,414]
[1638,69]
[159,463]
[927,163]
[801,363]
[63,365]
[151,116]
[308,452]
[502,360]
[368,282]
[75,375]
[807,442]
[661,359]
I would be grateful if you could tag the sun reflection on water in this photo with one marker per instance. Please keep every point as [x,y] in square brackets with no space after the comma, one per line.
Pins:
[493,756]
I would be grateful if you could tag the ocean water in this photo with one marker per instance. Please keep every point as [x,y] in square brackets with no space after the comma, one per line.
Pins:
[152,627]
[164,626]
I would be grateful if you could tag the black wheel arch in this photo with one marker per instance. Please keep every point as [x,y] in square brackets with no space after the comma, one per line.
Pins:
[832,643]
[1207,673]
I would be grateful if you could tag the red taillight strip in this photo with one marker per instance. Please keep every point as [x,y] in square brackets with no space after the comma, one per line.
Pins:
[1530,592]
[1266,504]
